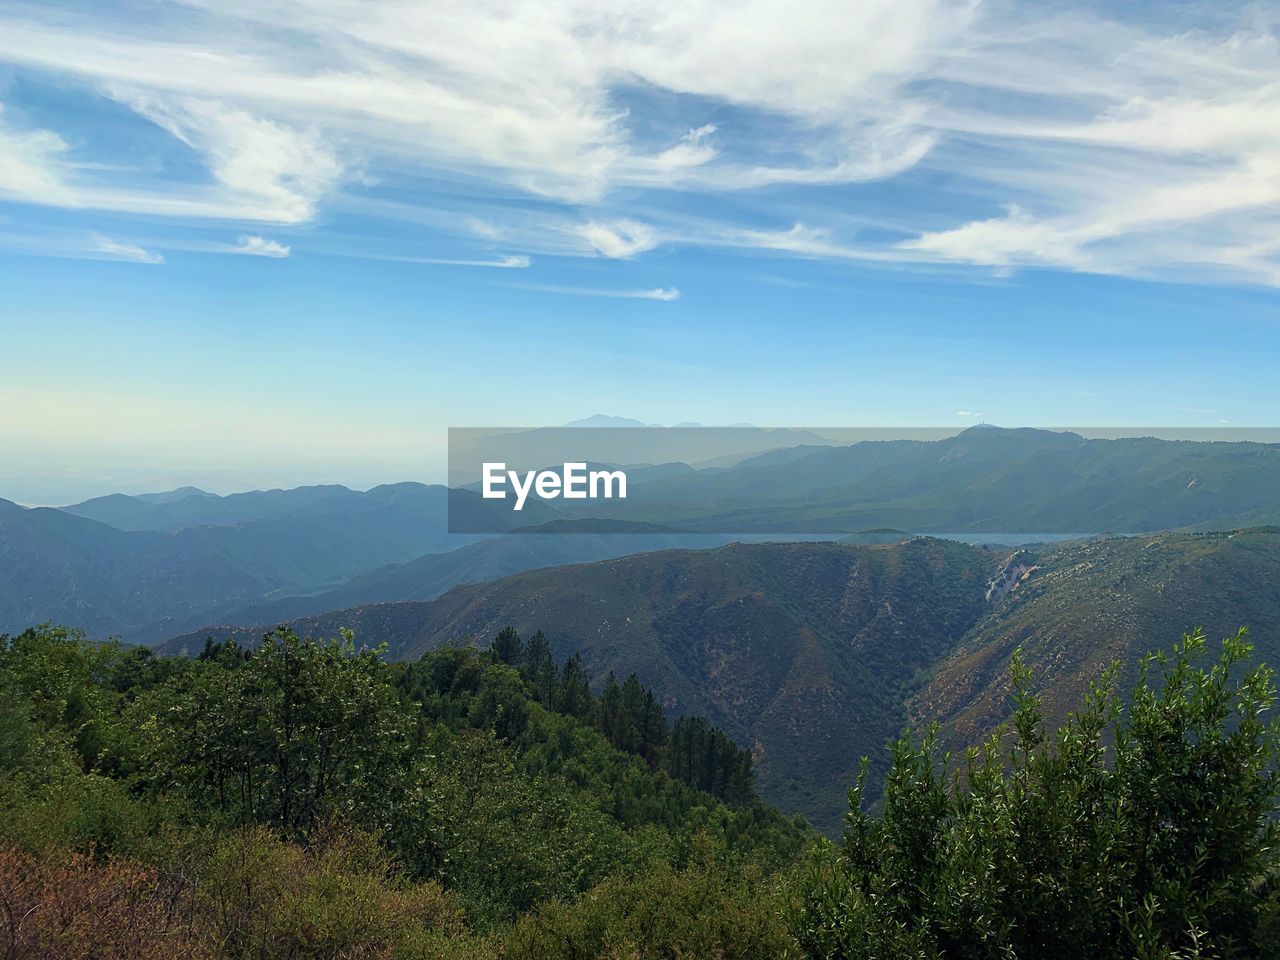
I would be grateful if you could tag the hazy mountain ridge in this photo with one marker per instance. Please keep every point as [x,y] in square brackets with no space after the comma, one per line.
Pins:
[146,584]
[188,507]
[159,565]
[428,576]
[984,479]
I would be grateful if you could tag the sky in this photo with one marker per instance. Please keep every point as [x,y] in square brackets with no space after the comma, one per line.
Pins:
[270,242]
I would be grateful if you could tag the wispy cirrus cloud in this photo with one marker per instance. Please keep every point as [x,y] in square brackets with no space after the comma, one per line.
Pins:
[117,250]
[509,262]
[1027,135]
[29,163]
[664,294]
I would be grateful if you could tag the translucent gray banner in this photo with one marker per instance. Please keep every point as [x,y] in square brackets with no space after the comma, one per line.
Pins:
[862,481]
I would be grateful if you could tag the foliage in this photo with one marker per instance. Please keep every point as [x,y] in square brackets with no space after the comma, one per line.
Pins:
[454,685]
[304,798]
[1148,833]
[307,800]
[72,907]
[703,910]
[287,736]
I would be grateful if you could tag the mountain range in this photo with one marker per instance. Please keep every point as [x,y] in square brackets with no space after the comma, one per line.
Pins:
[151,566]
[144,568]
[983,479]
[816,654]
[812,654]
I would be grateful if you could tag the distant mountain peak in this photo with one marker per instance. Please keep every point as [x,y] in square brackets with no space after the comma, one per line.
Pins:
[173,496]
[605,420]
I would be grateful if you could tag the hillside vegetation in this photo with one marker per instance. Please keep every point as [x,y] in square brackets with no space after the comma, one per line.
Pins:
[1083,605]
[802,652]
[812,655]
[308,799]
[462,791]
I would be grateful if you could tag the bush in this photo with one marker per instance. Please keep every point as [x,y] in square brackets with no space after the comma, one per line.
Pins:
[74,907]
[1160,845]
[706,910]
[258,896]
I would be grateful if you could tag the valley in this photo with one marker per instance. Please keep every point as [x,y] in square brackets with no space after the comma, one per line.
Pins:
[814,655]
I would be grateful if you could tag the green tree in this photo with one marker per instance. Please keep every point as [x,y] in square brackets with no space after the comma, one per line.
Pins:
[302,729]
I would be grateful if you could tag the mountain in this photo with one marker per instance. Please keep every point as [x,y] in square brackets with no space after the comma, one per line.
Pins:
[169,496]
[768,641]
[1074,608]
[173,564]
[605,420]
[173,511]
[630,443]
[427,577]
[985,479]
[814,654]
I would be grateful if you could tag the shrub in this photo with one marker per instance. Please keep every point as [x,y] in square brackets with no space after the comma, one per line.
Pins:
[258,896]
[706,910]
[1160,845]
[71,906]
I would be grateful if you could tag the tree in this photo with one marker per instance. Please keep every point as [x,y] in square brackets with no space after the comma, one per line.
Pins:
[539,669]
[500,704]
[507,647]
[574,691]
[303,727]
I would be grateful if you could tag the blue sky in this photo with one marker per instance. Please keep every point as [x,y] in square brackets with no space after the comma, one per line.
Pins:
[295,240]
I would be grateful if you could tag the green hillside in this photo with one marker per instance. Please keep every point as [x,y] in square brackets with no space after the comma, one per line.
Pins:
[802,652]
[813,655]
[305,796]
[307,799]
[1083,605]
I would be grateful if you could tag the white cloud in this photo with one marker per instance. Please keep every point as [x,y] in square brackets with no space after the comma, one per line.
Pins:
[1050,136]
[968,413]
[502,263]
[799,239]
[31,162]
[621,239]
[506,262]
[483,228]
[257,246]
[1003,241]
[116,250]
[665,294]
[270,170]
[524,94]
[657,293]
